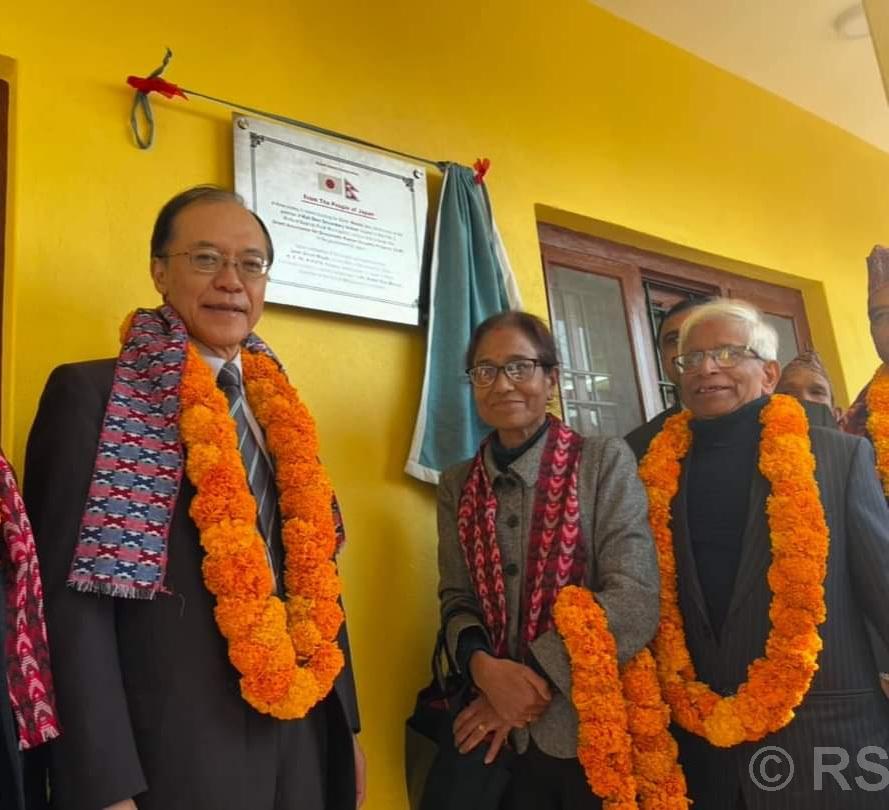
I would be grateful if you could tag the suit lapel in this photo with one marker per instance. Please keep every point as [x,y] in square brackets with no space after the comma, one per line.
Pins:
[686,567]
[756,548]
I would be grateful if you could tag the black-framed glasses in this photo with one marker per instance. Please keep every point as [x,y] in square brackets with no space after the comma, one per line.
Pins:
[521,370]
[208,261]
[723,356]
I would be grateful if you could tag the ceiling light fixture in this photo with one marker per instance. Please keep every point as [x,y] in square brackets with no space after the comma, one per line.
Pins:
[851,23]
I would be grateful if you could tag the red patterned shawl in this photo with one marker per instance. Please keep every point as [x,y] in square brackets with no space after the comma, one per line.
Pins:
[556,554]
[28,674]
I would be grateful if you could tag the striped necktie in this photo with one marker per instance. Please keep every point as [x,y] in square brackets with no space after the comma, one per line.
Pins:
[260,475]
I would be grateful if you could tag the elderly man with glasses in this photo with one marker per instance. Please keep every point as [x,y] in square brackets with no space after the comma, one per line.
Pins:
[187,535]
[773,540]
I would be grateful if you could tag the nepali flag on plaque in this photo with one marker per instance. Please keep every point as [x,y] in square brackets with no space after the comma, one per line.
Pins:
[351,191]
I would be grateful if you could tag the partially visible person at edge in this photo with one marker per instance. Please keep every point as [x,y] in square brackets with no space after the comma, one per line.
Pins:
[186,531]
[873,399]
[752,589]
[868,415]
[519,665]
[668,346]
[27,700]
[806,379]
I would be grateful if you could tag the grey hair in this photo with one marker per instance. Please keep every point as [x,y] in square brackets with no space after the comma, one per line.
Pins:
[761,336]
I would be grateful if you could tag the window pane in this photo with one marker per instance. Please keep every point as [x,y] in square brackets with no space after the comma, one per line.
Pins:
[787,346]
[598,381]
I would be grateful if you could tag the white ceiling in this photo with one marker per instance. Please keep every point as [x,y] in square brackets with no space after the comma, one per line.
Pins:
[789,47]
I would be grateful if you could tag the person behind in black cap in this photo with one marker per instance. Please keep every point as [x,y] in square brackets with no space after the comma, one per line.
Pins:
[806,379]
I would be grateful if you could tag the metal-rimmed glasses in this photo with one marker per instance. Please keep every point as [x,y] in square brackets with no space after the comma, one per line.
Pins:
[208,262]
[723,356]
[518,371]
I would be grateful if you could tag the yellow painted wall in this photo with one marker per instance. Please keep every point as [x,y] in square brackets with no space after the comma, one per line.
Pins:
[580,113]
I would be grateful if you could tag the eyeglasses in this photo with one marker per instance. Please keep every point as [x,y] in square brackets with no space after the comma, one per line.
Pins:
[208,262]
[484,374]
[723,356]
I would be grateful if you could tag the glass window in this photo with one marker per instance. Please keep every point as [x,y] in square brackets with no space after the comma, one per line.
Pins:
[597,376]
[787,345]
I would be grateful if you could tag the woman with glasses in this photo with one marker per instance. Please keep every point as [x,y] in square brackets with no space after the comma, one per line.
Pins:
[539,507]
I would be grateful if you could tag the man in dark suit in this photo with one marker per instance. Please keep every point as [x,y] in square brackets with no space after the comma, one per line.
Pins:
[155,714]
[668,346]
[723,551]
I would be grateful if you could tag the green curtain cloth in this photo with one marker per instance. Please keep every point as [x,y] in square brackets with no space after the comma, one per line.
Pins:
[470,280]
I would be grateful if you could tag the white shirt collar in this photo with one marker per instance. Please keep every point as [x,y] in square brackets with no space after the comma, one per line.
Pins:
[214,360]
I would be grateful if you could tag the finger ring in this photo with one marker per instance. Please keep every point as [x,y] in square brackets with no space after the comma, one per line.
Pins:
[481,727]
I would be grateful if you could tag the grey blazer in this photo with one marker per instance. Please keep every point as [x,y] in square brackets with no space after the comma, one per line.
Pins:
[622,567]
[844,707]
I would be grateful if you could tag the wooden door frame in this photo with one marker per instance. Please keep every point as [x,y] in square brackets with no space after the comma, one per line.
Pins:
[635,311]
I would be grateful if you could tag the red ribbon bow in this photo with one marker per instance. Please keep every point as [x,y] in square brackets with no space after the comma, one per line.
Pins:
[155,84]
[481,167]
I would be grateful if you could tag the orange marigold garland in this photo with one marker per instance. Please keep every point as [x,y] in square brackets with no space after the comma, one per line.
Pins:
[776,683]
[624,744]
[878,422]
[286,652]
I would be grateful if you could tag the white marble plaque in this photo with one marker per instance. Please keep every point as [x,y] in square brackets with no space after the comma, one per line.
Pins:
[348,224]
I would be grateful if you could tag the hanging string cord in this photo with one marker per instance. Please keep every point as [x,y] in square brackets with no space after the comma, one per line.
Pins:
[154,83]
[441,165]
[142,103]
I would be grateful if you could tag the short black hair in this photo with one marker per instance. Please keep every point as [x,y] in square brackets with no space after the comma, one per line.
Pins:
[532,327]
[681,306]
[166,218]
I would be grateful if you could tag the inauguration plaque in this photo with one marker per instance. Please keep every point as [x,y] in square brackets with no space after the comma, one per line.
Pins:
[348,223]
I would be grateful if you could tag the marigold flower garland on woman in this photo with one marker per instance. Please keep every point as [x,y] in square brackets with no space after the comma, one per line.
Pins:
[624,742]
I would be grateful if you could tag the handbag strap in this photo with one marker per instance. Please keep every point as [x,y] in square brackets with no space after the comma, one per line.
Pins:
[443,664]
[444,667]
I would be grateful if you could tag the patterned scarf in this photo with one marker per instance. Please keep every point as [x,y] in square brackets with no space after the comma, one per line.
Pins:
[122,549]
[556,553]
[28,673]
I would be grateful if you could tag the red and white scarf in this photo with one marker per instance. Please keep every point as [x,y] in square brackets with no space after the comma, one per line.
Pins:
[28,673]
[556,552]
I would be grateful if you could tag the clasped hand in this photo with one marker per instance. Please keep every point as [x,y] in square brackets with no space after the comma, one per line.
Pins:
[513,695]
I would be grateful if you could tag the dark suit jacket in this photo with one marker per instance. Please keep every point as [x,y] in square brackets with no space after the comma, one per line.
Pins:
[844,707]
[148,701]
[641,437]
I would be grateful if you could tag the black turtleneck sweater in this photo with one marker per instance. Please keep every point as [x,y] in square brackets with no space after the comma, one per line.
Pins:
[724,455]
